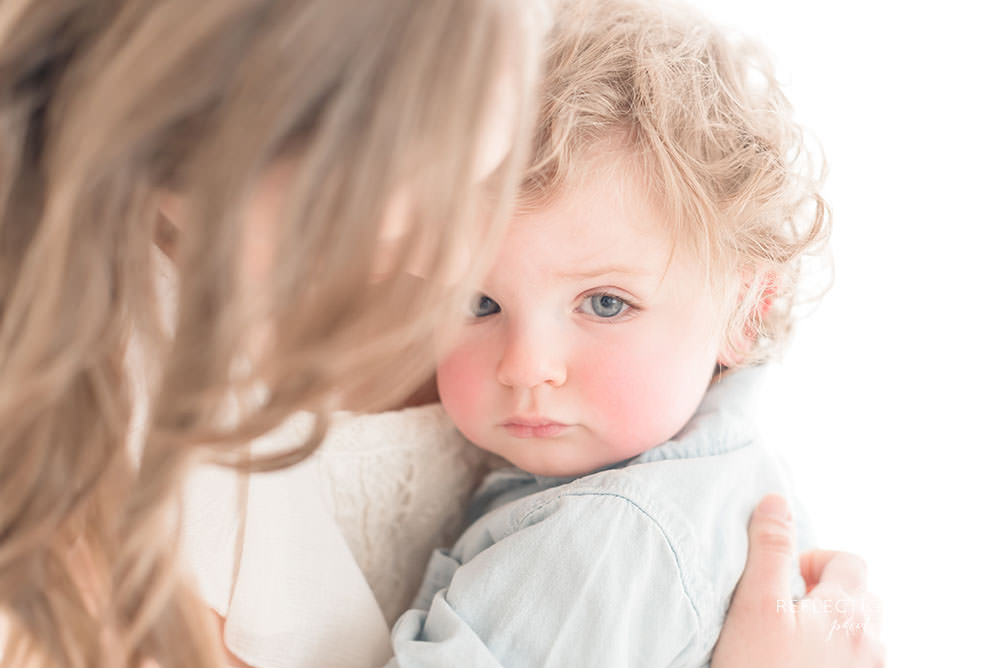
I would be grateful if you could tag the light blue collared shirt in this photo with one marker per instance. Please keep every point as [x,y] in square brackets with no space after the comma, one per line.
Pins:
[633,565]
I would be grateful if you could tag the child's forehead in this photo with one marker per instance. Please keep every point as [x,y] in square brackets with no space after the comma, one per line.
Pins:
[602,197]
[586,232]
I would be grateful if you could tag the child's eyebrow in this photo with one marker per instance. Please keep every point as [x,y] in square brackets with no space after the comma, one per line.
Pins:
[586,273]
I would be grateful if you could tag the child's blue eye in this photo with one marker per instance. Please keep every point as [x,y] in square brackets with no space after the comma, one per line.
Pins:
[605,305]
[483,306]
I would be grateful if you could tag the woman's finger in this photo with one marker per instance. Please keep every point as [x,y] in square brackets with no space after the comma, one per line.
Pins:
[771,563]
[846,570]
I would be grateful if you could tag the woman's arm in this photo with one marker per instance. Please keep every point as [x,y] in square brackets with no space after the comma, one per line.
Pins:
[836,625]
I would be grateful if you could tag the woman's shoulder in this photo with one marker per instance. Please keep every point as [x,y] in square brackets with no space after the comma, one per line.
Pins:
[393,484]
[397,484]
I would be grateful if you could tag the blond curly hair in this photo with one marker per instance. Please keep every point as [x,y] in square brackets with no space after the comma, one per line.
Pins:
[702,119]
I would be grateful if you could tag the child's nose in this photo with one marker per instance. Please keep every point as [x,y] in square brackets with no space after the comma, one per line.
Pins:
[531,359]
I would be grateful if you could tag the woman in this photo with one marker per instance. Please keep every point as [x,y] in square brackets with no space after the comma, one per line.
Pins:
[315,155]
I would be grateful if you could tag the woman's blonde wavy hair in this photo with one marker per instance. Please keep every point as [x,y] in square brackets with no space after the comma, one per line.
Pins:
[105,105]
[703,123]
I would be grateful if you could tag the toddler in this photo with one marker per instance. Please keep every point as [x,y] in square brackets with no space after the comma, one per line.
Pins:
[613,354]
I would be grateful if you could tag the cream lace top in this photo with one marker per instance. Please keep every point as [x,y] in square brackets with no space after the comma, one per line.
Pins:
[333,549]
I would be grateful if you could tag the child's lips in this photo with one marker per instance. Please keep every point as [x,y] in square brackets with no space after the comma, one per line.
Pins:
[533,427]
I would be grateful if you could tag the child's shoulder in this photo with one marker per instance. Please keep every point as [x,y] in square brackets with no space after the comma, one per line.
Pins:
[694,509]
[677,493]
[674,495]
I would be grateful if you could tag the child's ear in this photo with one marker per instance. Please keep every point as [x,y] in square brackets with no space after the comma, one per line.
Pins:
[732,353]
[736,347]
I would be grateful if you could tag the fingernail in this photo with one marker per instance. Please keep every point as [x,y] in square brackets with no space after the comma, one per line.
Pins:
[774,506]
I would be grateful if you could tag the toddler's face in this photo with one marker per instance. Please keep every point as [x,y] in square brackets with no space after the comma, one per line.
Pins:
[594,338]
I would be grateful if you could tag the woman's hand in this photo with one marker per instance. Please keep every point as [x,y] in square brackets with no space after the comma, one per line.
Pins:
[836,625]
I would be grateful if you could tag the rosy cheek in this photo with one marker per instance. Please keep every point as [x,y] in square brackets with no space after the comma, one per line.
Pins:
[462,383]
[642,386]
[621,391]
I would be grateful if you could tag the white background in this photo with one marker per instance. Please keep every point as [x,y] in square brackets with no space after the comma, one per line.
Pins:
[886,403]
